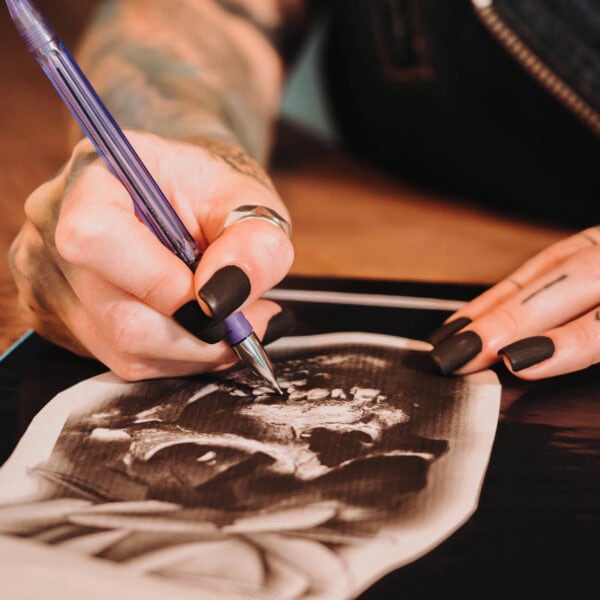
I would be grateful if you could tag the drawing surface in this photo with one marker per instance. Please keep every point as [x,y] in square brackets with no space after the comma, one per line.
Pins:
[216,483]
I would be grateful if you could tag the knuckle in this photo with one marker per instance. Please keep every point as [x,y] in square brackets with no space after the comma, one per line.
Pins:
[67,240]
[41,206]
[31,206]
[83,153]
[588,261]
[586,334]
[506,323]
[76,236]
[277,250]
[556,253]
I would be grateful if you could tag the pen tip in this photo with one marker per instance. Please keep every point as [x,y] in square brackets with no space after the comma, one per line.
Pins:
[251,352]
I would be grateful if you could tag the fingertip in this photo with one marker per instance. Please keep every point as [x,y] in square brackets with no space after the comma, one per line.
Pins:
[194,321]
[527,352]
[447,329]
[225,291]
[262,251]
[456,351]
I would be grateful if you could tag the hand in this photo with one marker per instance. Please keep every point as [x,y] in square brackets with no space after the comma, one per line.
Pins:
[93,279]
[543,320]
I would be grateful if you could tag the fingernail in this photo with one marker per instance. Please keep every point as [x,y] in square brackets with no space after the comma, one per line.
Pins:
[192,319]
[280,325]
[456,350]
[225,291]
[528,352]
[447,329]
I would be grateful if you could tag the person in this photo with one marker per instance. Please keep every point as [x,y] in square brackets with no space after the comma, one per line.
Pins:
[426,89]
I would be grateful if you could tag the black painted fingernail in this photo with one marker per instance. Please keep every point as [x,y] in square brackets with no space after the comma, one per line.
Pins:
[280,325]
[447,329]
[528,352]
[225,291]
[192,319]
[456,350]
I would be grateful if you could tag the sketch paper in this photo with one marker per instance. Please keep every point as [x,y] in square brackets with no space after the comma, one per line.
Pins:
[221,487]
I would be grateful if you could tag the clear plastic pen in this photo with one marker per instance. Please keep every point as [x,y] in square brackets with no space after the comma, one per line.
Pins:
[150,203]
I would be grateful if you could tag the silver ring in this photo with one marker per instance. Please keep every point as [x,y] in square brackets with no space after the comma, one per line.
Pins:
[244,213]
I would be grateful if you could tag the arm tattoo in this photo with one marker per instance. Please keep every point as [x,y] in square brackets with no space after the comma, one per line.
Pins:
[190,69]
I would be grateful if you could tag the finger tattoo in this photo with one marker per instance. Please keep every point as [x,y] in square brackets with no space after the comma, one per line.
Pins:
[543,288]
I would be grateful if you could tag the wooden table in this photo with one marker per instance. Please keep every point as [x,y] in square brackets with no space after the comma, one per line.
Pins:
[349,220]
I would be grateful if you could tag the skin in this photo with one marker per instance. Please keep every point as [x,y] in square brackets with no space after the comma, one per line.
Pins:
[199,110]
[199,107]
[555,294]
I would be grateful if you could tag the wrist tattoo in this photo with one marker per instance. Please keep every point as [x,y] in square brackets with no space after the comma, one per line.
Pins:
[237,159]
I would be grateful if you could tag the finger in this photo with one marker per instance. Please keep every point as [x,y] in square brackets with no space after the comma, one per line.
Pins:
[130,328]
[98,231]
[559,296]
[136,341]
[543,262]
[559,351]
[207,358]
[247,259]
[97,222]
[116,343]
[110,325]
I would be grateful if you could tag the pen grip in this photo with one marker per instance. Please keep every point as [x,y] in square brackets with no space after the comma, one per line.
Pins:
[238,328]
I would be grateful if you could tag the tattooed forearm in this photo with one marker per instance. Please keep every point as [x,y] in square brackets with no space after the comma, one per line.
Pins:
[187,69]
[545,287]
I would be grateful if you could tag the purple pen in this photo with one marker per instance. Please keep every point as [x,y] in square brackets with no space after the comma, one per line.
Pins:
[102,130]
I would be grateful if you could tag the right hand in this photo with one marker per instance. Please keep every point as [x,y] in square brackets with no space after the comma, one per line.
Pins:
[93,279]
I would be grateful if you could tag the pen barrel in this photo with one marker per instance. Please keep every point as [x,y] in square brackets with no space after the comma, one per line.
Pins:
[116,151]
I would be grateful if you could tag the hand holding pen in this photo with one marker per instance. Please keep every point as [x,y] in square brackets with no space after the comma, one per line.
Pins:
[116,282]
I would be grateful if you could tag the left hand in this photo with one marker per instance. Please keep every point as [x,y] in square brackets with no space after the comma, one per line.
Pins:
[542,321]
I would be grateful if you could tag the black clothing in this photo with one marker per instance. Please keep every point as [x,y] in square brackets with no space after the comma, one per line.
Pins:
[424,89]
